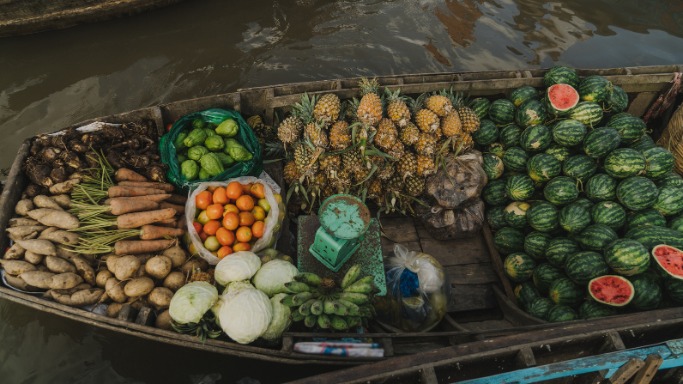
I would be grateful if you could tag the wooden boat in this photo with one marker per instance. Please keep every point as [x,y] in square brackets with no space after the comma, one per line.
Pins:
[22,17]
[481,305]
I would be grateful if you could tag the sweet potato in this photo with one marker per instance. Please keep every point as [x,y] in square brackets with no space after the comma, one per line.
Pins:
[160,297]
[126,267]
[114,290]
[24,232]
[62,200]
[24,206]
[42,201]
[17,267]
[21,221]
[137,287]
[163,321]
[39,246]
[58,265]
[177,255]
[83,267]
[15,252]
[79,298]
[113,309]
[102,277]
[34,258]
[54,218]
[38,279]
[174,280]
[19,283]
[158,267]
[110,261]
[65,280]
[65,186]
[59,236]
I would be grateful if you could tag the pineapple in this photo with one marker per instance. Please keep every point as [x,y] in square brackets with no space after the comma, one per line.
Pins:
[327,108]
[305,165]
[425,165]
[409,134]
[451,124]
[375,190]
[330,163]
[414,185]
[397,150]
[353,162]
[439,103]
[426,144]
[386,134]
[369,110]
[290,129]
[290,172]
[342,181]
[406,165]
[397,109]
[385,168]
[313,130]
[315,134]
[469,118]
[426,120]
[340,135]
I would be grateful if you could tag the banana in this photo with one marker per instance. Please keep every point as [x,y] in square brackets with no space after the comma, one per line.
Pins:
[310,321]
[353,321]
[329,306]
[297,316]
[353,309]
[310,279]
[302,297]
[297,287]
[317,307]
[324,321]
[351,276]
[338,323]
[305,308]
[367,311]
[356,298]
[363,285]
[287,301]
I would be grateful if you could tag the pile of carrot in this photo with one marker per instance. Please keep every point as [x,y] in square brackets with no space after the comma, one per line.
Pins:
[134,216]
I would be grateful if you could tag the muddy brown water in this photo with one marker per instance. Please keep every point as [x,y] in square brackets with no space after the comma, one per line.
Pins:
[202,47]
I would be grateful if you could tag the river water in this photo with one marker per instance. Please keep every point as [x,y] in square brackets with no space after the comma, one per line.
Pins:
[202,47]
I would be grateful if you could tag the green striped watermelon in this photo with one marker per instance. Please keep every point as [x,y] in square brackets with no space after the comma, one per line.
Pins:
[637,192]
[558,249]
[542,167]
[515,159]
[627,257]
[559,152]
[574,218]
[601,187]
[617,100]
[560,313]
[515,214]
[480,106]
[502,111]
[509,135]
[584,202]
[497,149]
[495,217]
[561,98]
[669,201]
[671,178]
[659,162]
[587,112]
[508,240]
[525,293]
[609,213]
[630,128]
[542,216]
[540,307]
[595,88]
[584,266]
[494,192]
[653,235]
[544,275]
[536,243]
[564,291]
[518,266]
[612,290]
[676,223]
[579,167]
[601,141]
[596,237]
[493,166]
[569,132]
[561,75]
[644,218]
[535,138]
[519,187]
[522,94]
[561,190]
[647,291]
[674,289]
[669,260]
[486,134]
[591,309]
[531,112]
[644,143]
[624,162]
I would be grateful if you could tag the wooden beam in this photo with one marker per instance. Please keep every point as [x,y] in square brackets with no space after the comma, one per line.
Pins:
[626,371]
[647,373]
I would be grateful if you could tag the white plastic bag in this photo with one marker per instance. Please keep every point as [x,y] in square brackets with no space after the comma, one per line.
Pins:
[273,221]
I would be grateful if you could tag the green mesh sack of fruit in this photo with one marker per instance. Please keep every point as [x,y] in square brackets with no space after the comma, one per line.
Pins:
[210,145]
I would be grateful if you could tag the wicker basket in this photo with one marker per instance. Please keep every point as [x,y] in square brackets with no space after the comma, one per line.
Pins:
[672,138]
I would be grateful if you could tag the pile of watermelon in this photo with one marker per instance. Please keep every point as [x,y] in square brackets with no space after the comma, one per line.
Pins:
[578,196]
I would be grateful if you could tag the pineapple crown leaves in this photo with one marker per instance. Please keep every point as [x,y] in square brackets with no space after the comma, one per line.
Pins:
[390,95]
[368,85]
[417,103]
[458,99]
[304,108]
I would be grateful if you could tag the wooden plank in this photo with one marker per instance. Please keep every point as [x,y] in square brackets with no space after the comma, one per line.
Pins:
[647,373]
[388,246]
[428,376]
[591,378]
[470,297]
[398,230]
[454,252]
[641,103]
[497,263]
[471,274]
[525,358]
[626,371]
[613,342]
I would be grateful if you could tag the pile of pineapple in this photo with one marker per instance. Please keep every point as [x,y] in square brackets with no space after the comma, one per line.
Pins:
[380,147]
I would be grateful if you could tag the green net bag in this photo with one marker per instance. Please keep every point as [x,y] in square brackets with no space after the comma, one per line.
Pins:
[210,118]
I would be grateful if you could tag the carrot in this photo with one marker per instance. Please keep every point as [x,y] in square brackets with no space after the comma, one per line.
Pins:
[120,207]
[158,198]
[179,208]
[121,191]
[153,232]
[134,247]
[138,219]
[173,223]
[147,184]
[125,174]
[177,199]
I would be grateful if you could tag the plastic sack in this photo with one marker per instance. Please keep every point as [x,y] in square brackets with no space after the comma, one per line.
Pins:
[245,136]
[417,292]
[273,222]
[461,179]
[446,224]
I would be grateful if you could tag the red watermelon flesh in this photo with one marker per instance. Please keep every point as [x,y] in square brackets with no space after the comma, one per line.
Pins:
[670,259]
[612,290]
[563,97]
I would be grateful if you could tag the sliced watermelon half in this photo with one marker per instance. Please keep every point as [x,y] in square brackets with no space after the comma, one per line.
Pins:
[562,98]
[670,259]
[612,290]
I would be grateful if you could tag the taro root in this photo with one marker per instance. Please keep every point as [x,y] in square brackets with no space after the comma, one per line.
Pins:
[38,173]
[77,146]
[72,160]
[156,173]
[59,174]
[49,154]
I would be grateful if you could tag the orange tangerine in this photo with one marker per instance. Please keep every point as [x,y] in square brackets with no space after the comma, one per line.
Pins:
[243,234]
[245,203]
